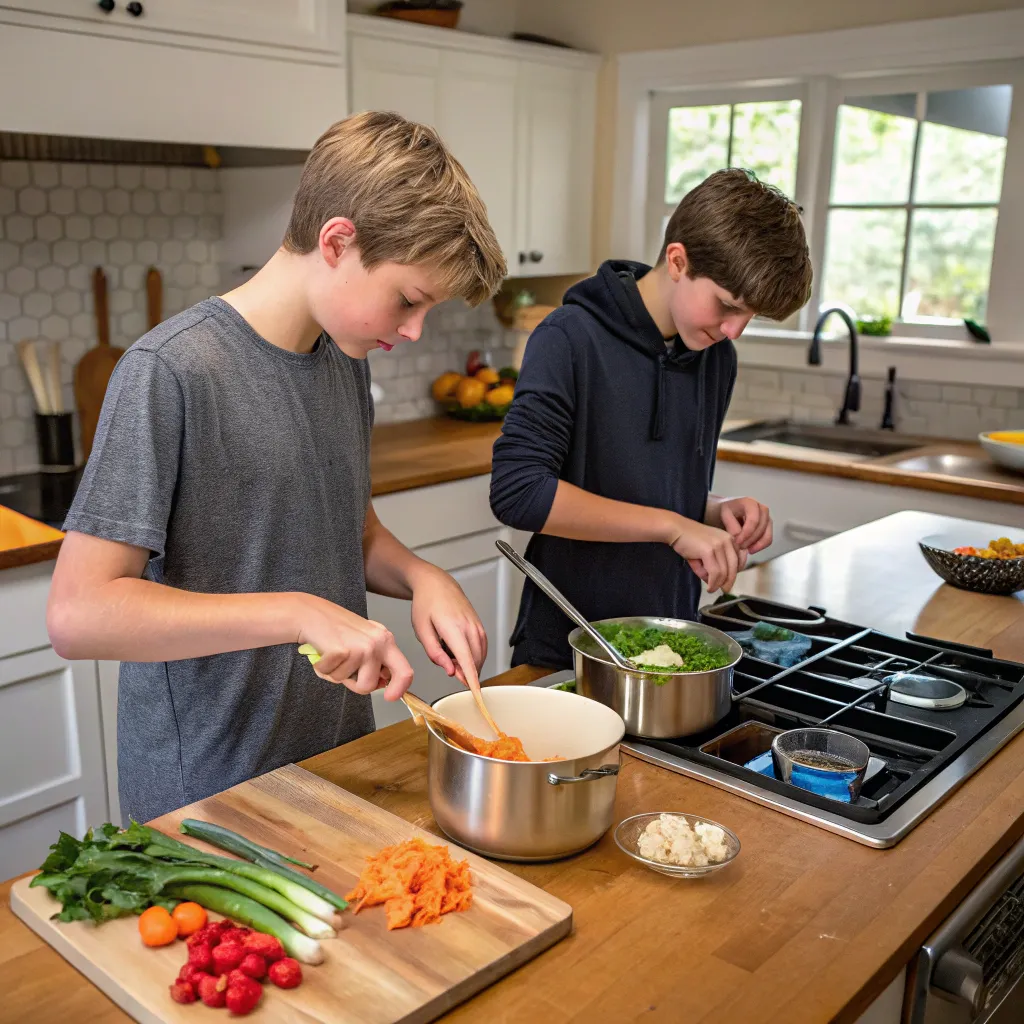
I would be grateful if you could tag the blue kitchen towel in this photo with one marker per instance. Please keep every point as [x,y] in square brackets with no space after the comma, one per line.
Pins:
[774,644]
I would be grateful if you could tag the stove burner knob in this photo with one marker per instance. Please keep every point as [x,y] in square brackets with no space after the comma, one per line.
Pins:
[960,977]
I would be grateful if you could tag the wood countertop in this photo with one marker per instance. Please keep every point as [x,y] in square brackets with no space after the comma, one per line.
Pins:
[805,927]
[24,541]
[421,453]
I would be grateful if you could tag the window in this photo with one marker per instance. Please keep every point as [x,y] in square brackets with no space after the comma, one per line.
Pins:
[695,135]
[913,203]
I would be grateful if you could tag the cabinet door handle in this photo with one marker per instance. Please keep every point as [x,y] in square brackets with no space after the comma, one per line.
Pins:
[106,6]
[536,256]
[522,255]
[134,9]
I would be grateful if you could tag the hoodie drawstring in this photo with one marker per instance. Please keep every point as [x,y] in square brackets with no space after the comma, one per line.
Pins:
[658,416]
[701,392]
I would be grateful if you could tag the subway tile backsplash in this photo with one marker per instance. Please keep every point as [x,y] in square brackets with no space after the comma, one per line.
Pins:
[58,222]
[450,332]
[934,410]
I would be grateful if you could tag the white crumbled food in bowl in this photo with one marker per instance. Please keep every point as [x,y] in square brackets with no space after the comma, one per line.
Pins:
[670,839]
[661,656]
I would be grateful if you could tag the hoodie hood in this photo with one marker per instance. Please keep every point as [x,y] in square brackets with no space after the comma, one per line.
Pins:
[612,298]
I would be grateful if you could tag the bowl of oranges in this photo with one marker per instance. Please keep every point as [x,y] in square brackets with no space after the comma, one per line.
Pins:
[480,394]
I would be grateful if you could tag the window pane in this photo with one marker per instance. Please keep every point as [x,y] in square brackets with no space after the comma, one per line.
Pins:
[765,138]
[949,263]
[963,146]
[863,260]
[874,151]
[698,144]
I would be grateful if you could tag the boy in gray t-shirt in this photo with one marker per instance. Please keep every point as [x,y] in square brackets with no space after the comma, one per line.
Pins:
[225,514]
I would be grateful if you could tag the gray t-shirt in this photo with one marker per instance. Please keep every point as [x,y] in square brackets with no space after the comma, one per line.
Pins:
[243,468]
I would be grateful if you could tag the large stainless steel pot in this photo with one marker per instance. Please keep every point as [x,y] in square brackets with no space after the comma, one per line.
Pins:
[657,705]
[527,811]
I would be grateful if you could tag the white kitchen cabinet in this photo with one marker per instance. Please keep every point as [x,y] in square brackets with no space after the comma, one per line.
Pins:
[303,24]
[51,755]
[450,525]
[239,72]
[477,119]
[807,508]
[388,74]
[519,117]
[555,161]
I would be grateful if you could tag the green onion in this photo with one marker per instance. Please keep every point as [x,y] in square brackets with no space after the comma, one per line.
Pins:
[248,911]
[271,878]
[225,839]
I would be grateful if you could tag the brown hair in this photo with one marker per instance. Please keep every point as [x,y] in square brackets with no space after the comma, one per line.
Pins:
[410,200]
[748,238]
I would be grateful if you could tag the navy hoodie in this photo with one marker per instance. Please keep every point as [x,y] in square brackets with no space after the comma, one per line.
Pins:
[604,403]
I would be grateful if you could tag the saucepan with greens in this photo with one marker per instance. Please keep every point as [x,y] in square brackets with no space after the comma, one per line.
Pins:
[664,677]
[681,680]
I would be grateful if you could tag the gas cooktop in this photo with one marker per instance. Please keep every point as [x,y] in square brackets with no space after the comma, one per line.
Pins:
[923,745]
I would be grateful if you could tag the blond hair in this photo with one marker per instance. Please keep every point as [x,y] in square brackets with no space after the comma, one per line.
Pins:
[747,237]
[410,200]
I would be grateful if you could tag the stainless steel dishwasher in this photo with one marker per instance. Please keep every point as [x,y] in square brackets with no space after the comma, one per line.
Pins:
[971,970]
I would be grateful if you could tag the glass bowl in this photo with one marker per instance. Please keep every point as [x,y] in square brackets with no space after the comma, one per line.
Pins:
[629,830]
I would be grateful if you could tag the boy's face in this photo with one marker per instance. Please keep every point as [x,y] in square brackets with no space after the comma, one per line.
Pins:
[367,309]
[702,311]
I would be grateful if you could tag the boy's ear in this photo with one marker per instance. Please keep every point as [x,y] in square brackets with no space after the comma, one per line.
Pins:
[676,261]
[337,235]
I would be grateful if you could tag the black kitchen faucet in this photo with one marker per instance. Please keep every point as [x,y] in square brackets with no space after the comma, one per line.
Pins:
[851,397]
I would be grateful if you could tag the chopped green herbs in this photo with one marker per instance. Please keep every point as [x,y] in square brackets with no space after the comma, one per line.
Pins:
[698,655]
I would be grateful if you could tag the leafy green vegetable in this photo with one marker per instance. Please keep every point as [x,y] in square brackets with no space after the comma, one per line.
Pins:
[697,654]
[110,873]
[569,687]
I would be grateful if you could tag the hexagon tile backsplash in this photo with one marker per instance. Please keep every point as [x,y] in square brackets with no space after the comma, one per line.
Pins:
[58,222]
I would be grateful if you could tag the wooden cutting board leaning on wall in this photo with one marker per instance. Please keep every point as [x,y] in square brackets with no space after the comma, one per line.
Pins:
[94,368]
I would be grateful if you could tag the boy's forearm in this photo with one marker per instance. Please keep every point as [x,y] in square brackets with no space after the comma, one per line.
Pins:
[137,620]
[391,568]
[577,514]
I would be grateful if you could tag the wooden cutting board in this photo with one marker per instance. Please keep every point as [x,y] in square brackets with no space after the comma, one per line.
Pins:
[92,374]
[370,975]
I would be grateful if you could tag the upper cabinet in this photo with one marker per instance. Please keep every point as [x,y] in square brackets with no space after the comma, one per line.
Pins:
[265,73]
[519,117]
[302,24]
[555,159]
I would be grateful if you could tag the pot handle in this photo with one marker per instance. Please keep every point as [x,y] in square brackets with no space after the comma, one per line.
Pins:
[587,775]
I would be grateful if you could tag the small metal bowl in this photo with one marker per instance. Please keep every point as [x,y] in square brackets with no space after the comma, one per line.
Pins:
[629,830]
[839,781]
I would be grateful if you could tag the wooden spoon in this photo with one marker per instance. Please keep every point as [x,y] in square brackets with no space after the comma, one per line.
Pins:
[420,709]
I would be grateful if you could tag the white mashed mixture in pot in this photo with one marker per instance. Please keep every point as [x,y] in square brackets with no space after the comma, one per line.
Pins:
[661,656]
[670,839]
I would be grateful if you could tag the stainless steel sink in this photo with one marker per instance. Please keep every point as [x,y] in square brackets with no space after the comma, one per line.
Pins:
[843,440]
[963,464]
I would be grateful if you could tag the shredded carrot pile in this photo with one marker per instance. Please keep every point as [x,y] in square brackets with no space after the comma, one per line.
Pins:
[415,881]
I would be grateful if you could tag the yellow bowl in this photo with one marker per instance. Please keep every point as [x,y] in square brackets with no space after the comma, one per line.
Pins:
[1005,447]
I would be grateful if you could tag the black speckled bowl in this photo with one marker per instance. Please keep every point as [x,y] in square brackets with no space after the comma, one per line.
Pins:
[982,575]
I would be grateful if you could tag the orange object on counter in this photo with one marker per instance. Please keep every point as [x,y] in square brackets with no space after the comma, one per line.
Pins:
[416,882]
[18,531]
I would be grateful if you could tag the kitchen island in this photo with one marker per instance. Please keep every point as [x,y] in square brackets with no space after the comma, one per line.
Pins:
[804,927]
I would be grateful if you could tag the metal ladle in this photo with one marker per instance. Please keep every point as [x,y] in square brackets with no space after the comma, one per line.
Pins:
[533,573]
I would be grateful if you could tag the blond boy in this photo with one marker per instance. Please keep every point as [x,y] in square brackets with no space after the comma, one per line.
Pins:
[225,516]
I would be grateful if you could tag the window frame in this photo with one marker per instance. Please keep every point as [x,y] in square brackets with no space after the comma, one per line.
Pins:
[662,102]
[821,97]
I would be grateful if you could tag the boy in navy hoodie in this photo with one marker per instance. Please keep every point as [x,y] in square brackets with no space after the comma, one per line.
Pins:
[608,451]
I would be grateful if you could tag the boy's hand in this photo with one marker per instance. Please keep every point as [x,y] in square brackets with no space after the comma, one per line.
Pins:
[747,521]
[356,652]
[442,615]
[711,553]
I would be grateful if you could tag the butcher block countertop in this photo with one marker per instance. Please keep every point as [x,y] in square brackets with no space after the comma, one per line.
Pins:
[24,541]
[420,453]
[804,927]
